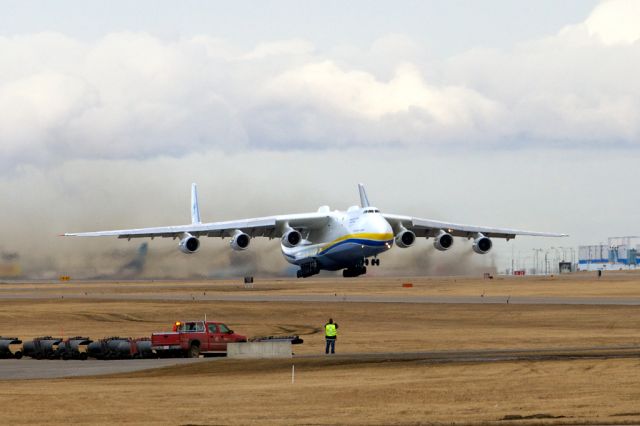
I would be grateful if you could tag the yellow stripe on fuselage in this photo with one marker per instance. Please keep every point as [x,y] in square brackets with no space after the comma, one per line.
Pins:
[362,236]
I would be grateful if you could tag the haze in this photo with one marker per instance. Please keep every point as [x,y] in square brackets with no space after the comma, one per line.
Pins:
[499,113]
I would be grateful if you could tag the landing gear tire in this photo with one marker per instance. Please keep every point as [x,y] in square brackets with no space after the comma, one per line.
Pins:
[308,269]
[354,272]
[366,261]
[194,351]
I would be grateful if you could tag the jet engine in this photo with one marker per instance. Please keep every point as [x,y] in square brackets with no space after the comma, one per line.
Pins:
[405,238]
[291,238]
[189,244]
[482,244]
[240,241]
[443,241]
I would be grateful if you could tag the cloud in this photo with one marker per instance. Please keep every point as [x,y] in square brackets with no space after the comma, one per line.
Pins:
[615,22]
[360,94]
[131,95]
[279,48]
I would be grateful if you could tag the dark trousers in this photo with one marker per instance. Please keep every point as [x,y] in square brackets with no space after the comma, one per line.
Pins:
[331,344]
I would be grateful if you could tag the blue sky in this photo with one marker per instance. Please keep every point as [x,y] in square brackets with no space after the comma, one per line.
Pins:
[448,26]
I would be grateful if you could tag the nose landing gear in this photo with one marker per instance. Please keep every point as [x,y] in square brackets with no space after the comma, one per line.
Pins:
[374,262]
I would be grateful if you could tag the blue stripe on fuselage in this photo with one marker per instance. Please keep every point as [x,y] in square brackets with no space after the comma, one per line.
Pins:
[365,242]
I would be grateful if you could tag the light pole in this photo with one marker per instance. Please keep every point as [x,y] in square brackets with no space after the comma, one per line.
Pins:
[536,257]
[558,256]
[546,263]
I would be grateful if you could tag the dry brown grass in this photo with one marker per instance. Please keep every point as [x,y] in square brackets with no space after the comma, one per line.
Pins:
[331,391]
[232,392]
[364,327]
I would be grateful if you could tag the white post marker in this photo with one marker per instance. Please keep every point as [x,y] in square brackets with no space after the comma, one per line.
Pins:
[293,374]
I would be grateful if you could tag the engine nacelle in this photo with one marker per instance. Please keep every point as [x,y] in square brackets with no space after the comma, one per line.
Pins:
[291,238]
[189,244]
[405,238]
[482,244]
[443,241]
[240,241]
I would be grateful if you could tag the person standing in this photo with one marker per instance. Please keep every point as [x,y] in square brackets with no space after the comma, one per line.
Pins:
[330,335]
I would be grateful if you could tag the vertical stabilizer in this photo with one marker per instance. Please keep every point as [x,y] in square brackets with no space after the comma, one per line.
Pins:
[195,210]
[364,201]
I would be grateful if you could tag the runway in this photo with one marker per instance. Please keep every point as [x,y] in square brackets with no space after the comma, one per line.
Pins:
[49,369]
[492,355]
[21,369]
[331,298]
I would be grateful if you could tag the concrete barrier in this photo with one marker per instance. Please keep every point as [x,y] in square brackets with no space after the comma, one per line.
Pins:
[259,350]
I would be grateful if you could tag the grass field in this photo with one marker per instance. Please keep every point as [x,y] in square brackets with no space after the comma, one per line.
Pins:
[335,391]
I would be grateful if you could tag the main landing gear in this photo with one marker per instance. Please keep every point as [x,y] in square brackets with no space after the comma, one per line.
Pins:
[356,271]
[308,269]
[360,269]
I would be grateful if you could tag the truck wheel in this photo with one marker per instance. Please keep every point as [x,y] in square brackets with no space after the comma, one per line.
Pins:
[194,351]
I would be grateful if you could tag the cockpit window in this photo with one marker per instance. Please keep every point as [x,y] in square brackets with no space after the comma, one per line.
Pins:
[372,211]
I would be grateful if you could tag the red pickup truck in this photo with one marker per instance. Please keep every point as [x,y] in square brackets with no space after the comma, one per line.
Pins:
[192,338]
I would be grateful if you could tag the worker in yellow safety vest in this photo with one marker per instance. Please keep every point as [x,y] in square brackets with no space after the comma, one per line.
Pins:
[330,334]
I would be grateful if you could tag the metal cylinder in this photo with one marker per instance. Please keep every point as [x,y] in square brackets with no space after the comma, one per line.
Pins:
[6,350]
[143,348]
[71,348]
[41,347]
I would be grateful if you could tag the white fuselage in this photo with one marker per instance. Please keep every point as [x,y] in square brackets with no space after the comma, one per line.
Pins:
[344,241]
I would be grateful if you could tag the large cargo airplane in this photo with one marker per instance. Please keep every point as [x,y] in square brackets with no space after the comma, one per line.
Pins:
[325,240]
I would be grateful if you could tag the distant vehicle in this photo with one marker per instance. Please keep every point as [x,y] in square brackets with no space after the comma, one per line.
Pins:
[326,240]
[192,338]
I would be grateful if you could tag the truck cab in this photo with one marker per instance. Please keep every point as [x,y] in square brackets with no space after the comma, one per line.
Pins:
[192,338]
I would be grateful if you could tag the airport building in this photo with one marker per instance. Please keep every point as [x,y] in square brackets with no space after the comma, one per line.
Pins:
[619,253]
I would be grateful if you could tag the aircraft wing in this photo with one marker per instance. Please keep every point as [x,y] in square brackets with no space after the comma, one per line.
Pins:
[431,228]
[271,227]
